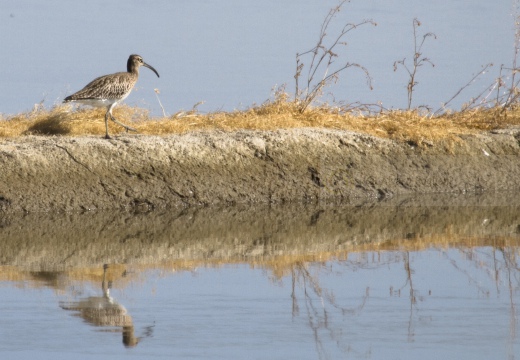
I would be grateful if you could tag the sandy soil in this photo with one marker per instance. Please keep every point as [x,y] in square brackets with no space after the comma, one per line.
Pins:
[42,174]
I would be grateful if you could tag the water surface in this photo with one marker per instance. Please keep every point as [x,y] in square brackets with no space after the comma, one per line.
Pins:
[399,279]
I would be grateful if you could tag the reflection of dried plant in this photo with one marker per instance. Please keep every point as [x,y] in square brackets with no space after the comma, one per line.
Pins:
[318,316]
[503,266]
[501,263]
[512,266]
[413,298]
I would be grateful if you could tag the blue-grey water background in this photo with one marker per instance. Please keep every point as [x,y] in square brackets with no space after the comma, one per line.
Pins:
[231,54]
[238,312]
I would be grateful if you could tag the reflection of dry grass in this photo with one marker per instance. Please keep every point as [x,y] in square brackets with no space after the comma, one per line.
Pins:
[282,265]
[60,279]
[279,265]
[280,113]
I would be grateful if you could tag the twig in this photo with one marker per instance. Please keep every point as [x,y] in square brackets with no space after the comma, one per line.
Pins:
[157,92]
[322,58]
[487,66]
[418,61]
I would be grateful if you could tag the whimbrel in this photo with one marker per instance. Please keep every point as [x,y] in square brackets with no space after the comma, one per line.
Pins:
[110,89]
[104,311]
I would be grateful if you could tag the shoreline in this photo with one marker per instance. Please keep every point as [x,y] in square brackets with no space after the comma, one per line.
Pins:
[62,174]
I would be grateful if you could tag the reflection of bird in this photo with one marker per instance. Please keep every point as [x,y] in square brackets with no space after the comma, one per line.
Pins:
[108,90]
[104,311]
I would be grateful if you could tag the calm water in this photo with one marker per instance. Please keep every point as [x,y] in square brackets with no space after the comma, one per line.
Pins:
[231,54]
[425,278]
[391,280]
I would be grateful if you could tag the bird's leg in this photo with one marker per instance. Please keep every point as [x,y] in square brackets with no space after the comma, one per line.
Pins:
[106,124]
[128,128]
[118,123]
[103,283]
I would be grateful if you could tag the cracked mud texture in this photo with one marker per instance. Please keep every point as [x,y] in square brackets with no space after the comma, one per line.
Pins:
[41,173]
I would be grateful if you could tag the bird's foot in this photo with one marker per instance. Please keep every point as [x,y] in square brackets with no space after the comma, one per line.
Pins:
[128,128]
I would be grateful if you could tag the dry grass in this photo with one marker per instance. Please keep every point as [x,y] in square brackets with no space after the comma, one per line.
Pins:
[411,126]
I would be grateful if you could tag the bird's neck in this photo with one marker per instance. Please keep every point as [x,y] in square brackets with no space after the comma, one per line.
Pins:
[132,68]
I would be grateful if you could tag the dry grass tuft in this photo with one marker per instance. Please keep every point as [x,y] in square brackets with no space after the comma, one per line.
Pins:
[63,120]
[411,126]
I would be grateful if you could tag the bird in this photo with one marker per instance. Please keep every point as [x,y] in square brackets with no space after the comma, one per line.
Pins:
[104,311]
[109,90]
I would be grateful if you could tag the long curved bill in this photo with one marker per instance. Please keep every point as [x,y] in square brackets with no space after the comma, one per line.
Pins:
[151,68]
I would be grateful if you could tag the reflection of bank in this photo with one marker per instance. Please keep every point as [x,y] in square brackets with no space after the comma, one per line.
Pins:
[104,311]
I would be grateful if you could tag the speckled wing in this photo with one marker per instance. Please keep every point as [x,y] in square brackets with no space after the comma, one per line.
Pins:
[112,87]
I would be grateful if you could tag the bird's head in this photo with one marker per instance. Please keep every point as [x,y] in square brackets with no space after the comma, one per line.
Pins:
[135,61]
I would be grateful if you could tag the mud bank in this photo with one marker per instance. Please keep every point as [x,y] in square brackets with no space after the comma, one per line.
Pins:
[203,168]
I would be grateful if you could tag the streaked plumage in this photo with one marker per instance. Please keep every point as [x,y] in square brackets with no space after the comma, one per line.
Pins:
[108,90]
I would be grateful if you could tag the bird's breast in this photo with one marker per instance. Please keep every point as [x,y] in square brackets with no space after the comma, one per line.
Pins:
[95,102]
